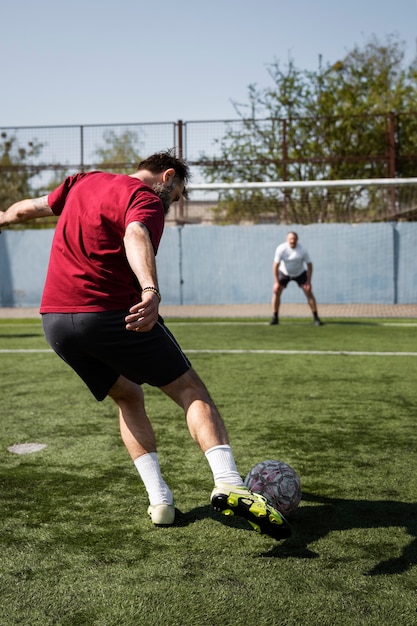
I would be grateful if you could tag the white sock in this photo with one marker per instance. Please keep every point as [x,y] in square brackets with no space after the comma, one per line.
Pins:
[223,466]
[150,473]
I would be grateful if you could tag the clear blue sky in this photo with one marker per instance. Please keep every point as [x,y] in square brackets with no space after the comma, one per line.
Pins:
[110,61]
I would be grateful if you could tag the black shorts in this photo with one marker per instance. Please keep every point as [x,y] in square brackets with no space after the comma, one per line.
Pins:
[99,349]
[301,279]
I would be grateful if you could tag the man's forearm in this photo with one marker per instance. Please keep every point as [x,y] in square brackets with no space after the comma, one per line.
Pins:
[25,210]
[140,255]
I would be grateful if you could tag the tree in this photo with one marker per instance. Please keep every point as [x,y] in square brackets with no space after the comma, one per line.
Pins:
[120,152]
[334,123]
[17,169]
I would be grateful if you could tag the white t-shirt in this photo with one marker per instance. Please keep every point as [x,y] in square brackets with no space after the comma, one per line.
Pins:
[292,260]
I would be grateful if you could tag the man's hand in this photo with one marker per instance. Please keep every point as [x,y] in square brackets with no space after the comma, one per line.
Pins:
[143,315]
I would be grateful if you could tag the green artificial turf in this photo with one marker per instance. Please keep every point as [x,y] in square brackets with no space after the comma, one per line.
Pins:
[337,402]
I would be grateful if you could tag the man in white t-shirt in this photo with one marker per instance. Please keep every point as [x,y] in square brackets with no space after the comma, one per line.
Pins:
[292,262]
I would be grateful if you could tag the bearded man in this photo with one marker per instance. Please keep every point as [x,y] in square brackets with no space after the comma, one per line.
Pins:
[100,314]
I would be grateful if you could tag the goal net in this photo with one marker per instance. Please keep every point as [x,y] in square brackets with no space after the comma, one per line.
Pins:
[360,235]
[302,202]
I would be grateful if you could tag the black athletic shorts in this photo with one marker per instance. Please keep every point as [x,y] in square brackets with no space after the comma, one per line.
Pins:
[284,279]
[99,349]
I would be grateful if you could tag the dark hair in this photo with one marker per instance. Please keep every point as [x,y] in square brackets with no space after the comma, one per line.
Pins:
[161,161]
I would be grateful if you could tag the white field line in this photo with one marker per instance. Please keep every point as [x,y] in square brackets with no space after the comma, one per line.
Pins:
[236,322]
[242,351]
[294,321]
[331,352]
[23,351]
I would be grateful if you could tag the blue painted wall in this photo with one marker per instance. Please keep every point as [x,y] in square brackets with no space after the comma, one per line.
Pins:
[199,264]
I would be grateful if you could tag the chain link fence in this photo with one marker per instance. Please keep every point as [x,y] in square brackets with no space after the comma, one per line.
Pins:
[33,160]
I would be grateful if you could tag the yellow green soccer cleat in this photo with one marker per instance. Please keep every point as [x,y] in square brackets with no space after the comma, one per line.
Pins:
[235,500]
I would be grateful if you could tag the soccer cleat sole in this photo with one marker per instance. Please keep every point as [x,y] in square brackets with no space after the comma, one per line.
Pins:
[266,521]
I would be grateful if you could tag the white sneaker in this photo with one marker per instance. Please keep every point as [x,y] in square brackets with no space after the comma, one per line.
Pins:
[162,514]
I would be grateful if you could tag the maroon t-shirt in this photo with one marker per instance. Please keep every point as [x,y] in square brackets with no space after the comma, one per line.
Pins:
[88,269]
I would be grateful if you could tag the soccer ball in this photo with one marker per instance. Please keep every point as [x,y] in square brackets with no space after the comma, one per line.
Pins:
[278,482]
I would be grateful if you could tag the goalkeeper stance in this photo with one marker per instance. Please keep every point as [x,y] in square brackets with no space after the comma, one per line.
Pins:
[100,315]
[292,262]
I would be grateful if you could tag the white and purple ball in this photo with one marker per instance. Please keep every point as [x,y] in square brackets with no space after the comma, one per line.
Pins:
[278,482]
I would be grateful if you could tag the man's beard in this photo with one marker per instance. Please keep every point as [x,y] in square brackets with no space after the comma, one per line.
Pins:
[164,194]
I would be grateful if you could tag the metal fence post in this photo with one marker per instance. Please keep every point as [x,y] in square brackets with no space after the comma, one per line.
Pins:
[392,160]
[180,149]
[180,143]
[81,148]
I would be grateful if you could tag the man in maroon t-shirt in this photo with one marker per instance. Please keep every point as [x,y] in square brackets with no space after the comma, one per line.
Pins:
[100,314]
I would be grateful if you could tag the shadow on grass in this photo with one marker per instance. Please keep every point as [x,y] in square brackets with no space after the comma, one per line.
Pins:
[312,523]
[36,500]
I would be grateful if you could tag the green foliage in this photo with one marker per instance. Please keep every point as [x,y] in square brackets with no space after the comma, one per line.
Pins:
[17,168]
[335,123]
[119,152]
[77,546]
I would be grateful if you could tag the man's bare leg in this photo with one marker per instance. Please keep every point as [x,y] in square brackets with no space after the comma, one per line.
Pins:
[139,438]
